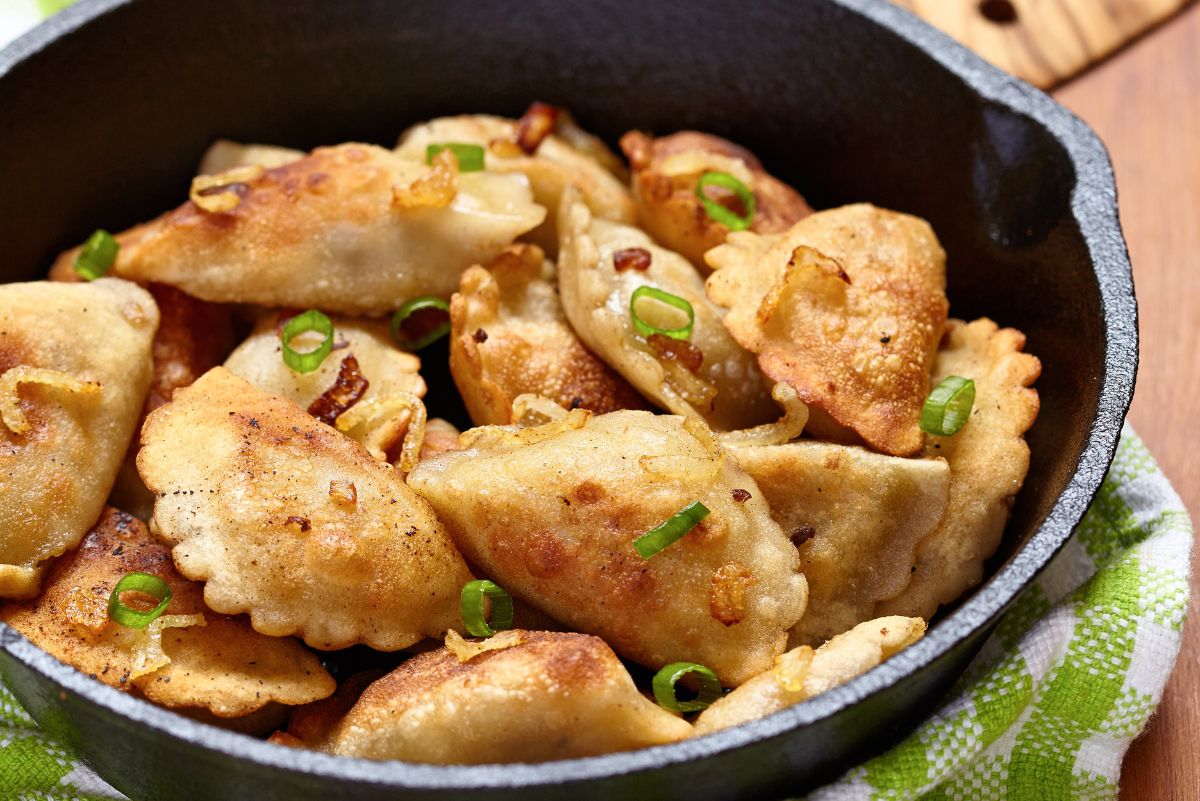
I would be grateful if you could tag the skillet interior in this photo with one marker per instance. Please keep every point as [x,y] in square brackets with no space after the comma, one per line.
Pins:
[103,123]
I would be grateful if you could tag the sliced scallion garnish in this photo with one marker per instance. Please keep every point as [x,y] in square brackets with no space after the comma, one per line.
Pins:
[306,361]
[664,687]
[473,615]
[719,212]
[654,293]
[663,535]
[949,405]
[97,255]
[470,157]
[421,322]
[143,583]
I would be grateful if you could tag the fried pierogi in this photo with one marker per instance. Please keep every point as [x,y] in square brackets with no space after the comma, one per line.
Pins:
[224,154]
[509,337]
[556,164]
[75,367]
[551,513]
[988,461]
[848,308]
[666,171]
[393,385]
[287,519]
[706,375]
[353,229]
[856,518]
[526,696]
[198,659]
[803,673]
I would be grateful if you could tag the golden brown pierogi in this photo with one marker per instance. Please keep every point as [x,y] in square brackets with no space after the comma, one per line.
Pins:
[225,154]
[509,337]
[556,164]
[203,660]
[856,518]
[532,696]
[551,513]
[346,229]
[285,518]
[666,170]
[725,388]
[988,461]
[75,367]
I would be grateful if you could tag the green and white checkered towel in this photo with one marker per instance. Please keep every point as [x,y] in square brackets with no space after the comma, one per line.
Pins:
[1045,712]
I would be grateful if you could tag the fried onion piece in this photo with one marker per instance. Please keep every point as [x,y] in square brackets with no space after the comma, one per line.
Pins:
[390,374]
[847,307]
[224,154]
[557,163]
[323,232]
[216,663]
[244,482]
[856,517]
[509,337]
[551,513]
[545,696]
[75,367]
[665,172]
[988,461]
[802,673]
[727,391]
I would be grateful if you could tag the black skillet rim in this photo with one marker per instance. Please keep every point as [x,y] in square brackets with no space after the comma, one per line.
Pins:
[1093,204]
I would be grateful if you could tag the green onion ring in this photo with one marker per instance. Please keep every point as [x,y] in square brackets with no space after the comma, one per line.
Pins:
[719,212]
[949,405]
[471,606]
[470,157]
[659,537]
[311,320]
[645,329]
[664,687]
[138,582]
[409,308]
[97,255]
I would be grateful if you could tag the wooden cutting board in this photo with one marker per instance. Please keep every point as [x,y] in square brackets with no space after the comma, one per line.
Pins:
[1043,41]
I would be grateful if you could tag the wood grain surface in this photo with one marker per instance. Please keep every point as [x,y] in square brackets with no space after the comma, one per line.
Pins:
[1145,104]
[1043,41]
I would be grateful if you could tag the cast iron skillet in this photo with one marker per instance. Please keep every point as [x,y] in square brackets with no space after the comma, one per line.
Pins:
[105,110]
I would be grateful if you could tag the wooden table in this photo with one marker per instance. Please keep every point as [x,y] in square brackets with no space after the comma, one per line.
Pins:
[1145,104]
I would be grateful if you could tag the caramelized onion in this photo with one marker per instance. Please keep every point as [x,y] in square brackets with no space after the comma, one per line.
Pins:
[347,390]
[535,125]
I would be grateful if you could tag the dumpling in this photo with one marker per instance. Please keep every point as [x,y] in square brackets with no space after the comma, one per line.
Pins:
[440,436]
[509,337]
[352,229]
[708,376]
[531,696]
[988,461]
[551,512]
[287,519]
[378,417]
[556,164]
[75,366]
[848,308]
[189,657]
[803,673]
[224,154]
[666,170]
[856,518]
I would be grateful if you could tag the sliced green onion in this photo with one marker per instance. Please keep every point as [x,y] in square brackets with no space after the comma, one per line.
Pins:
[646,329]
[311,320]
[138,582]
[717,211]
[470,157]
[663,535]
[414,311]
[96,257]
[949,405]
[471,606]
[664,687]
